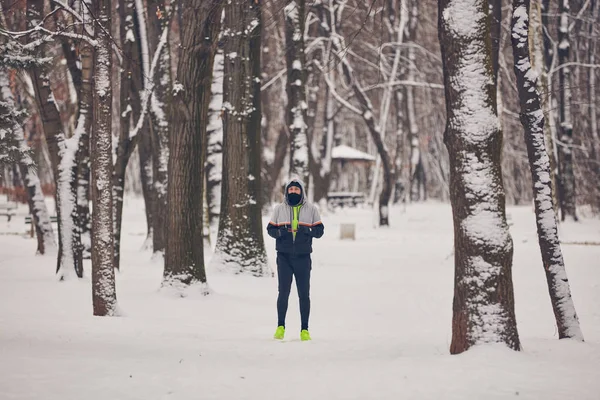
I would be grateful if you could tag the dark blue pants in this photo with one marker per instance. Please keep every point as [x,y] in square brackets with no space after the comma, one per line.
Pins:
[297,267]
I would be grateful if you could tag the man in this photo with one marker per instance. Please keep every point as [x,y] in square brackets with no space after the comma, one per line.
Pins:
[294,224]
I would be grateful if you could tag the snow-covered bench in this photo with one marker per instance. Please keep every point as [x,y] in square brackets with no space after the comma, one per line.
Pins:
[8,210]
[342,199]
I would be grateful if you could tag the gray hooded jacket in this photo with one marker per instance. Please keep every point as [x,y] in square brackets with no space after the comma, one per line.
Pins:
[309,225]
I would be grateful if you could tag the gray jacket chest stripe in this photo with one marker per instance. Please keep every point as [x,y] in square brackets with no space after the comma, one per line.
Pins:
[285,214]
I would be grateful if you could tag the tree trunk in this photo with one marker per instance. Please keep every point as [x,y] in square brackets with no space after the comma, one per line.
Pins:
[296,89]
[131,86]
[240,247]
[184,257]
[542,59]
[147,178]
[103,274]
[532,118]
[214,159]
[399,186]
[495,7]
[567,195]
[483,309]
[386,160]
[62,156]
[416,162]
[84,125]
[158,29]
[28,169]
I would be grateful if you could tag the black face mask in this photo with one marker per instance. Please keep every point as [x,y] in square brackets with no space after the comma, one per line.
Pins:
[294,198]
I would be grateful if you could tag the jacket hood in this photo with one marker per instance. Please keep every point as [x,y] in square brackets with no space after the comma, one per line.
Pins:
[287,185]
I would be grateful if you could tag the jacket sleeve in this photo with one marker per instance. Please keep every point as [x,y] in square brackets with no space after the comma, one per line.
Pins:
[272,227]
[318,229]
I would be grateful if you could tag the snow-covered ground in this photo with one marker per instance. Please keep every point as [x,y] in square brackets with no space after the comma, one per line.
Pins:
[381,323]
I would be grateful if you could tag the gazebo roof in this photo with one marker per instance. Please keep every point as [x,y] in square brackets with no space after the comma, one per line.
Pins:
[347,153]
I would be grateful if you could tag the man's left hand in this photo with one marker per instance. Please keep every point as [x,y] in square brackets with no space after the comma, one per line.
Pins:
[305,229]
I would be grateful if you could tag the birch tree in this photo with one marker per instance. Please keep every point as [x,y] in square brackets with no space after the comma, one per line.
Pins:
[103,275]
[295,88]
[184,255]
[240,246]
[214,158]
[532,118]
[483,308]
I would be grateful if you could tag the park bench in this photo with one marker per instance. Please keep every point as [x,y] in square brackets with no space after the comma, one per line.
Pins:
[8,210]
[345,199]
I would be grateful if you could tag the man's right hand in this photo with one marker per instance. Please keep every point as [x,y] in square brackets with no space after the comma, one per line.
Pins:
[283,231]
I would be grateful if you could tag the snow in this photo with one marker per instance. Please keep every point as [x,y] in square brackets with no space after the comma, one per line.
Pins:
[350,153]
[472,79]
[380,322]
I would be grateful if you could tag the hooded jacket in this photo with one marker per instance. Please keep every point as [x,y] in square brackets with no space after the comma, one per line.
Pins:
[309,225]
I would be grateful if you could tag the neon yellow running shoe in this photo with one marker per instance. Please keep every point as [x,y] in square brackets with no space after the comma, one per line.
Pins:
[279,333]
[304,335]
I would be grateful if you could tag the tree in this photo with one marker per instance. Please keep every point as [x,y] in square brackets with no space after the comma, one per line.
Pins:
[13,146]
[567,197]
[103,274]
[158,35]
[240,246]
[62,156]
[214,157]
[296,89]
[184,256]
[11,133]
[483,309]
[366,109]
[132,85]
[532,118]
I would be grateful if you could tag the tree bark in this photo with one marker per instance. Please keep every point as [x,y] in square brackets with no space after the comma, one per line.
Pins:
[27,168]
[542,60]
[296,89]
[240,246]
[131,86]
[158,22]
[483,308]
[184,257]
[147,179]
[567,195]
[62,157]
[103,274]
[84,126]
[214,159]
[532,118]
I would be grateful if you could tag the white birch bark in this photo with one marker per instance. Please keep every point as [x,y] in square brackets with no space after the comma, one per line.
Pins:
[214,159]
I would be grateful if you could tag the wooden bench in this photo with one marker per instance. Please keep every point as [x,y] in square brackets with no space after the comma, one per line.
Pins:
[28,221]
[345,199]
[8,210]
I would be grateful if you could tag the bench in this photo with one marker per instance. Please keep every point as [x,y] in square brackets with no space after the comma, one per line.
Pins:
[28,221]
[345,199]
[8,210]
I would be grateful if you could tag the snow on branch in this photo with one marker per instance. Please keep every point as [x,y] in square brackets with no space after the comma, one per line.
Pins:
[147,92]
